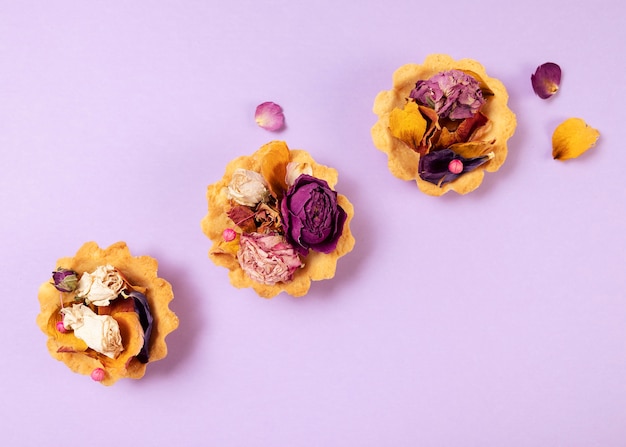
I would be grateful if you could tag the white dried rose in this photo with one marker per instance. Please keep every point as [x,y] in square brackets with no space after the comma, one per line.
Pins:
[100,332]
[101,286]
[295,170]
[247,187]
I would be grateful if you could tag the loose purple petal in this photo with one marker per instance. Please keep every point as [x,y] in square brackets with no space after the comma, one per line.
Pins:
[546,80]
[270,116]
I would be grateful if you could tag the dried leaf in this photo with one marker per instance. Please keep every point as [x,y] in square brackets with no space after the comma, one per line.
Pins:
[243,217]
[463,133]
[573,137]
[408,125]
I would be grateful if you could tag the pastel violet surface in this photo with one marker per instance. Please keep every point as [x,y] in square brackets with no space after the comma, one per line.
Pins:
[317,265]
[546,80]
[403,161]
[141,272]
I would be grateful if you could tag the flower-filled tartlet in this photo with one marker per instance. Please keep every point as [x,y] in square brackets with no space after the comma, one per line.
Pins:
[106,313]
[443,124]
[275,221]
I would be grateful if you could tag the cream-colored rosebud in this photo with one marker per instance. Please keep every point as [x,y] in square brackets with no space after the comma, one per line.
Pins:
[100,332]
[247,187]
[295,170]
[101,286]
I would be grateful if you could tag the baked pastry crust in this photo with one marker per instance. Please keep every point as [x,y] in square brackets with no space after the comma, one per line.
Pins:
[317,266]
[403,161]
[141,273]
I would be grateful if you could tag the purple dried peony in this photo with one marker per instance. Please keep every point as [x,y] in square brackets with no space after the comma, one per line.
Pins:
[452,94]
[64,280]
[267,258]
[312,219]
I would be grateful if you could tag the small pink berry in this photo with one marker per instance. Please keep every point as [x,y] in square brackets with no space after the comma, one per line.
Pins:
[229,234]
[455,166]
[61,327]
[98,374]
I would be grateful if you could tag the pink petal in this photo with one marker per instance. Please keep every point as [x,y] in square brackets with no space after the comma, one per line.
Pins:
[269,116]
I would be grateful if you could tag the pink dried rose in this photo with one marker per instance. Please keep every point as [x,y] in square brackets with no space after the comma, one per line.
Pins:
[546,80]
[452,94]
[270,116]
[267,258]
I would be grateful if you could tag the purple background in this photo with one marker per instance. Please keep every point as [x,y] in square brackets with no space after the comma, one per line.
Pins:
[492,319]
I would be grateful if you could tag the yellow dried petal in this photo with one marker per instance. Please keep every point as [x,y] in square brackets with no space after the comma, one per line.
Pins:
[132,340]
[408,124]
[472,149]
[573,137]
[274,158]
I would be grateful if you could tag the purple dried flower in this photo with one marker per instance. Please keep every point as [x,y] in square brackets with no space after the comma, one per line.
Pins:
[64,280]
[269,116]
[312,218]
[452,94]
[443,166]
[546,80]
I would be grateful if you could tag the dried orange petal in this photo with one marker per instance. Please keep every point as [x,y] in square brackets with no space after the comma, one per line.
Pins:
[408,124]
[573,137]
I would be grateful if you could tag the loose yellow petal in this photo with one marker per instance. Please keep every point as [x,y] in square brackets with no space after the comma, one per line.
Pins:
[408,124]
[573,137]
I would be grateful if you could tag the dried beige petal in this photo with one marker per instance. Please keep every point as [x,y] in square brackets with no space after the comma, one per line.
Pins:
[573,137]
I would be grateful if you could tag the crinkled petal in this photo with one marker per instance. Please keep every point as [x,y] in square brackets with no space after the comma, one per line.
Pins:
[573,137]
[269,116]
[546,80]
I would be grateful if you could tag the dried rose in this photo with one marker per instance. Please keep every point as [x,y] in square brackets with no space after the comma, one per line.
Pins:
[453,94]
[269,116]
[247,187]
[443,166]
[267,258]
[101,286]
[546,80]
[64,280]
[312,219]
[295,170]
[100,332]
[573,137]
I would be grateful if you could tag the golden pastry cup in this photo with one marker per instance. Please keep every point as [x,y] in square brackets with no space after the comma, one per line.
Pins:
[403,161]
[141,273]
[317,266]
